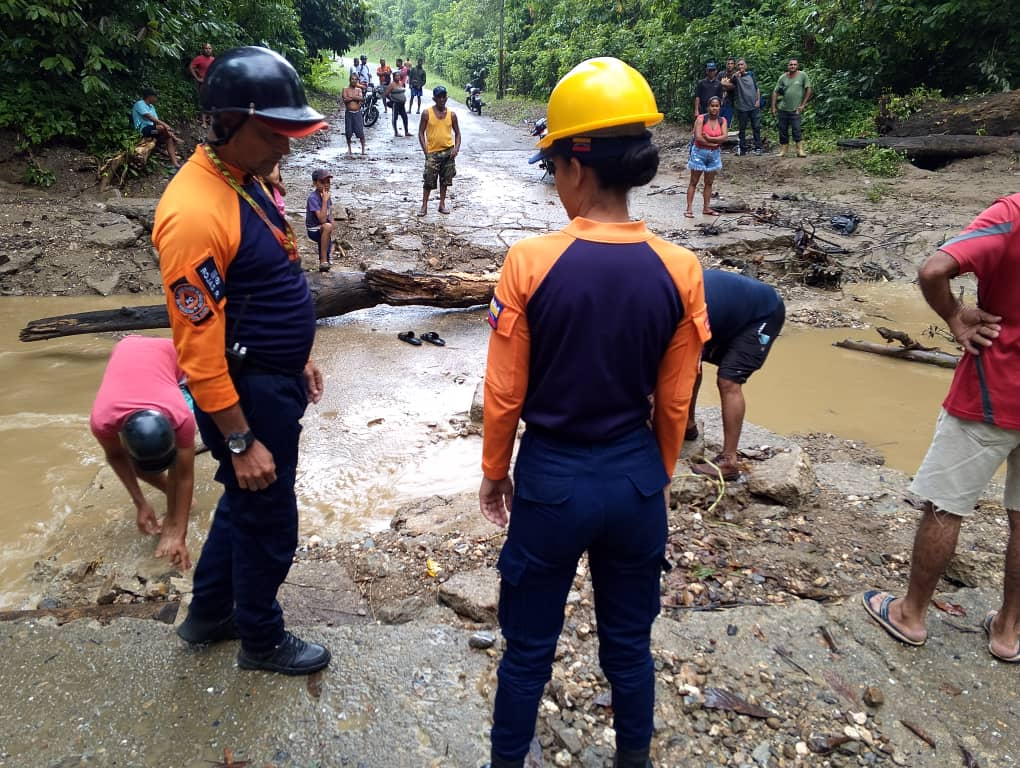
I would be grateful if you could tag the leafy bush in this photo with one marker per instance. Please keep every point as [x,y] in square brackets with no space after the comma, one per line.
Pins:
[877,161]
[905,106]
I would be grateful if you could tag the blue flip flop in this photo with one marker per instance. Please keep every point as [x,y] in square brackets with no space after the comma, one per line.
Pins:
[987,624]
[881,617]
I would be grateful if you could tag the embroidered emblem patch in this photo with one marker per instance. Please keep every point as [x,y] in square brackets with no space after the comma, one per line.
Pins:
[209,274]
[190,302]
[495,310]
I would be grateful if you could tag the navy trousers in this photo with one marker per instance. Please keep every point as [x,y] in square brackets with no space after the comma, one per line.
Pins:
[253,536]
[607,499]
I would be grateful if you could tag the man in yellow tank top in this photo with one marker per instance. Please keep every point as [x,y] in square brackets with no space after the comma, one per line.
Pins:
[439,136]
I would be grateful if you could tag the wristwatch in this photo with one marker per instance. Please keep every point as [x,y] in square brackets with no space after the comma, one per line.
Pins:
[239,442]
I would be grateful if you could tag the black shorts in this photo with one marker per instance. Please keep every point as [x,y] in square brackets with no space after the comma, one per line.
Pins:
[149,130]
[746,352]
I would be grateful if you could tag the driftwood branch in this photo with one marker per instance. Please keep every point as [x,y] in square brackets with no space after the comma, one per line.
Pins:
[335,293]
[931,357]
[157,611]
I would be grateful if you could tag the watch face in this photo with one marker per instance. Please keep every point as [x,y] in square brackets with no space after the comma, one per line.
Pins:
[239,443]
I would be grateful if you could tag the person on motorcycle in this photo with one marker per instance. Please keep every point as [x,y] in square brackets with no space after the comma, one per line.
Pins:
[354,121]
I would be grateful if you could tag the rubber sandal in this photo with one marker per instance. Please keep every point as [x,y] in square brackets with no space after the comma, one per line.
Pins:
[688,214]
[324,267]
[714,470]
[408,336]
[444,210]
[432,338]
[987,624]
[881,617]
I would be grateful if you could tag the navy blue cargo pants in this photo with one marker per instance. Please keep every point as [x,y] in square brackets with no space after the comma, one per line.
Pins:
[569,497]
[253,536]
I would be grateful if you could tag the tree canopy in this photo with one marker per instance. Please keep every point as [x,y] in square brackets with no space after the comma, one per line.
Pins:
[854,50]
[72,68]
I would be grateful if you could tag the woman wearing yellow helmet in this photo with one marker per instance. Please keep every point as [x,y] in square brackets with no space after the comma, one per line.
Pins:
[591,326]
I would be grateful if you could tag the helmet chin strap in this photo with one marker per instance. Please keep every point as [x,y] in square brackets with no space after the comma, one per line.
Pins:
[224,135]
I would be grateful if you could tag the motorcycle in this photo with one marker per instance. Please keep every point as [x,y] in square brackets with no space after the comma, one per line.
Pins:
[370,107]
[540,129]
[474,98]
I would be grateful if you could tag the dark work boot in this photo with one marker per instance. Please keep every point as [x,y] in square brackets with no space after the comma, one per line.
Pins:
[293,656]
[633,758]
[206,632]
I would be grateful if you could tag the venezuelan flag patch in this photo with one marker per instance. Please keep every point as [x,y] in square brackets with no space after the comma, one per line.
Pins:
[495,310]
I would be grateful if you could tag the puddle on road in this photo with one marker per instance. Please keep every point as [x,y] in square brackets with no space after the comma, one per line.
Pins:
[382,434]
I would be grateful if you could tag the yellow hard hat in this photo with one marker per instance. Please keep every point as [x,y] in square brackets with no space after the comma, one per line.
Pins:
[596,94]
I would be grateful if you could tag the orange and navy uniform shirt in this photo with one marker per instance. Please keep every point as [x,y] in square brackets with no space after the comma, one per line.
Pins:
[596,330]
[228,280]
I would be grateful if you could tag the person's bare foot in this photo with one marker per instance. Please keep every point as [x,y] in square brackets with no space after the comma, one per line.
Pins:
[887,611]
[443,209]
[710,212]
[422,211]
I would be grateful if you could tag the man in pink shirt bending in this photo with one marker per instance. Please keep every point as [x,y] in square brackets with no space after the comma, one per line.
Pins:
[147,430]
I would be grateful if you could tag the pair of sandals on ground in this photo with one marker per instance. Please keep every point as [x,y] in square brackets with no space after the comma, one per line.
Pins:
[881,617]
[415,341]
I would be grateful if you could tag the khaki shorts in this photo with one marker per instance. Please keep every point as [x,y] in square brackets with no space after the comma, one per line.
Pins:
[962,459]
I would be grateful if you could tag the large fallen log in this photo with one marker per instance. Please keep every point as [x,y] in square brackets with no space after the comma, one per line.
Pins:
[335,293]
[997,114]
[931,357]
[946,146]
[104,614]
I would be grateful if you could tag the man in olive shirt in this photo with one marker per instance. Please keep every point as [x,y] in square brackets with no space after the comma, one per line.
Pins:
[793,91]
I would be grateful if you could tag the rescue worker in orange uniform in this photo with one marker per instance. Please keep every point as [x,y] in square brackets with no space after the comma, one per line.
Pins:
[243,323]
[596,334]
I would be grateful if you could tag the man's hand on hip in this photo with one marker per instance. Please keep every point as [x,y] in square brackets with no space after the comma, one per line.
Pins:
[974,328]
[255,469]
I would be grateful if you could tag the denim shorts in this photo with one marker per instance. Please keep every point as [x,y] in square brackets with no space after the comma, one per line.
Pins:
[704,159]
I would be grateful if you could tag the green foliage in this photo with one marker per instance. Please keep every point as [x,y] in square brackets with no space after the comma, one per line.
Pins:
[333,25]
[38,176]
[904,106]
[877,161]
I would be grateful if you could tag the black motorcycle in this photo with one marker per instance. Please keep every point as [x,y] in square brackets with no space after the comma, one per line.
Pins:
[370,107]
[540,129]
[474,98]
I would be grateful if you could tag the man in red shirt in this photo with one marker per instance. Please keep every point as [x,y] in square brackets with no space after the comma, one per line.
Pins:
[977,430]
[198,68]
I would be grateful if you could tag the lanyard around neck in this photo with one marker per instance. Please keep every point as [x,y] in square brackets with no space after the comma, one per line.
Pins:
[287,241]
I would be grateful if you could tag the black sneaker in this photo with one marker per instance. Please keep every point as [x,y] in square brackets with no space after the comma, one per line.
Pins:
[758,152]
[293,656]
[207,632]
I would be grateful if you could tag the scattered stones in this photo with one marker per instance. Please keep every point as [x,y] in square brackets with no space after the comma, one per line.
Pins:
[873,696]
[787,477]
[482,640]
[474,594]
[401,611]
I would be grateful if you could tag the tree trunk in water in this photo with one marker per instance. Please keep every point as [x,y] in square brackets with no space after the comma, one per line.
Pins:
[995,115]
[940,146]
[335,293]
[931,357]
[158,611]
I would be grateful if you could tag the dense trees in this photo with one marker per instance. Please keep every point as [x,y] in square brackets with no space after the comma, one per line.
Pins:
[72,68]
[854,49]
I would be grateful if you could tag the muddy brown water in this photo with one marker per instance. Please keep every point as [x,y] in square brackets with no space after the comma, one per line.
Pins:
[382,434]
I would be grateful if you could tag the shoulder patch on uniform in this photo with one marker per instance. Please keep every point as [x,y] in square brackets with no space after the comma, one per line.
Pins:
[190,302]
[495,310]
[210,276]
